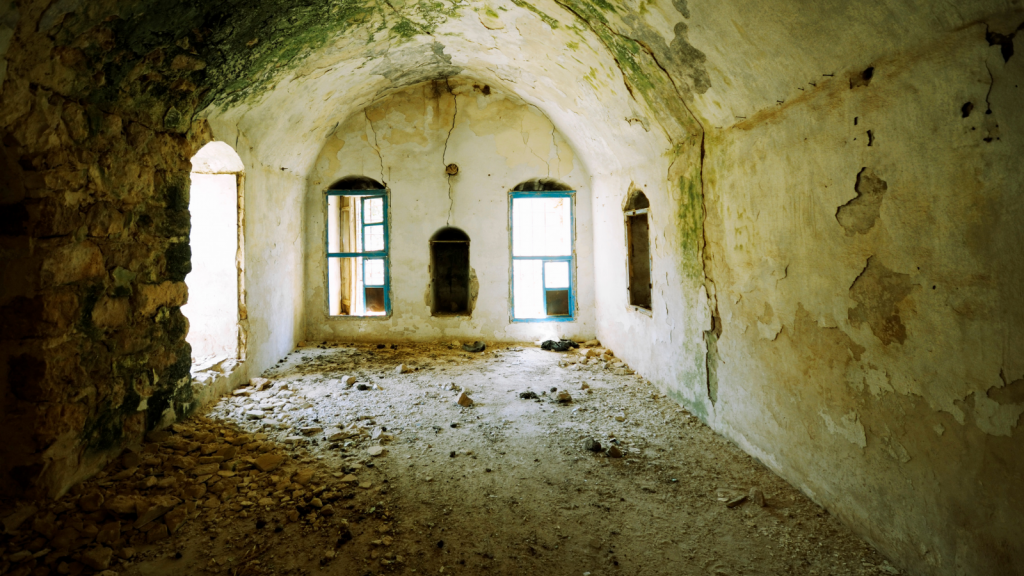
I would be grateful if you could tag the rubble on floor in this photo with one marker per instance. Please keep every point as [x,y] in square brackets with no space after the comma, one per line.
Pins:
[336,461]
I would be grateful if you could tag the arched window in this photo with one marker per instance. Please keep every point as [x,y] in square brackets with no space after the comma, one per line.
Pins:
[638,249]
[214,284]
[543,251]
[358,275]
[449,272]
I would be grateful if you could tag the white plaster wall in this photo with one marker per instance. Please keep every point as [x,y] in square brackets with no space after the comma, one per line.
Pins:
[497,142]
[273,265]
[664,345]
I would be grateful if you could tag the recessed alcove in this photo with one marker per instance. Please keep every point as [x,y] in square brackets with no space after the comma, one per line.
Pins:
[449,272]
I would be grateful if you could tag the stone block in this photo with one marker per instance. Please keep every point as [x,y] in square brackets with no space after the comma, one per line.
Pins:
[72,263]
[150,297]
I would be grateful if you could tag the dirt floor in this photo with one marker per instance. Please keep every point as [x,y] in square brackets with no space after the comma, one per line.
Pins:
[359,459]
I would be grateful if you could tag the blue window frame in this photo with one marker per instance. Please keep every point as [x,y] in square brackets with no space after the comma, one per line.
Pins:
[358,259]
[542,236]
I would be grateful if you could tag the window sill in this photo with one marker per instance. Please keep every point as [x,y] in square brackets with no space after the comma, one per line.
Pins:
[645,311]
[346,318]
[535,320]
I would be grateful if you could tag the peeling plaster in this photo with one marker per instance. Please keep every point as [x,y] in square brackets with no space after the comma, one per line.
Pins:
[848,428]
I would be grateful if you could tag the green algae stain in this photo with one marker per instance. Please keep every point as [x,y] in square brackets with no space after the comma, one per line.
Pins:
[543,16]
[690,224]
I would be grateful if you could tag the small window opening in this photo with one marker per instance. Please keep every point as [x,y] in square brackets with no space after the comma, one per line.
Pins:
[357,248]
[638,247]
[215,281]
[543,253]
[449,272]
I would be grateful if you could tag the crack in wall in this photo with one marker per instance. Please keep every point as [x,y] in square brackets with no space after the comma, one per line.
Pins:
[444,153]
[554,146]
[991,83]
[376,145]
[525,135]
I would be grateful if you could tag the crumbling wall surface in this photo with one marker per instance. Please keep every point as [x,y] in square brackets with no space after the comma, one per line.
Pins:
[95,251]
[97,127]
[866,244]
[406,141]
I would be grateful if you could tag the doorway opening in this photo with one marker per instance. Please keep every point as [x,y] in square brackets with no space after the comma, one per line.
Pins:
[449,272]
[214,307]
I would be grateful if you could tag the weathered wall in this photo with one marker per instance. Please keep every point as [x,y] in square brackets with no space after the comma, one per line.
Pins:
[96,133]
[867,243]
[95,235]
[273,263]
[406,141]
[666,344]
[799,318]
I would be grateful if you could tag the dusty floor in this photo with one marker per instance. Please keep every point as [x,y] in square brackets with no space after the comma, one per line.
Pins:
[504,486]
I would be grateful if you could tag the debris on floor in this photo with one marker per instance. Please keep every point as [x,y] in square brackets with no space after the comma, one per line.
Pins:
[559,345]
[354,467]
[475,347]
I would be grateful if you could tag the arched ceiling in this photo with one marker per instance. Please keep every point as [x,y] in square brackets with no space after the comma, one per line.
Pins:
[623,81]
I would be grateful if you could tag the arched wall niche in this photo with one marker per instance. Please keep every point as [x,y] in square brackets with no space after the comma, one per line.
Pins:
[541,185]
[639,285]
[354,182]
[449,273]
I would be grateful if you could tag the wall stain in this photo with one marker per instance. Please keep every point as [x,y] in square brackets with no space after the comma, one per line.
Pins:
[878,292]
[860,214]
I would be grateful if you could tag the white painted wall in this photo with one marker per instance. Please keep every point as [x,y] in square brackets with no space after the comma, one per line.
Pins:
[497,141]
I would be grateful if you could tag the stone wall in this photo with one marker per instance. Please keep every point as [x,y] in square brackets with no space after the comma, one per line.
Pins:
[95,240]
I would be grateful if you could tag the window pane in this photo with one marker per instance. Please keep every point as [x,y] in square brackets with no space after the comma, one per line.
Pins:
[374,272]
[374,238]
[541,227]
[345,286]
[374,301]
[556,274]
[557,302]
[527,291]
[374,210]
[341,227]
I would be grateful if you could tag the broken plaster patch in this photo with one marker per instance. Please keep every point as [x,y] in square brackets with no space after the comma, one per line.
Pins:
[995,418]
[866,374]
[878,292]
[893,448]
[849,428]
[860,214]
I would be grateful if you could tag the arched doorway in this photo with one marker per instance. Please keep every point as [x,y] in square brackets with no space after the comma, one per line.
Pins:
[215,282]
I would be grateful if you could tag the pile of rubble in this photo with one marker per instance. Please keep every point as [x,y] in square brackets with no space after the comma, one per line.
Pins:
[201,470]
[592,357]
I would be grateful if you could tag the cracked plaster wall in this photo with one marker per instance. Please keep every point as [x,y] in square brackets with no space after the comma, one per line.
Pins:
[405,141]
[876,360]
